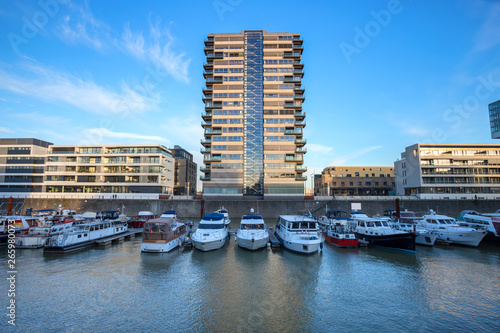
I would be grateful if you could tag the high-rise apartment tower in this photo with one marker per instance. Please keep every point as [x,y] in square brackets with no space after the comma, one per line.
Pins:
[253,121]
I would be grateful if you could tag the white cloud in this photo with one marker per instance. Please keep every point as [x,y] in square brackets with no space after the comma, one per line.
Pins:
[158,50]
[343,159]
[95,136]
[317,148]
[6,130]
[50,85]
[81,27]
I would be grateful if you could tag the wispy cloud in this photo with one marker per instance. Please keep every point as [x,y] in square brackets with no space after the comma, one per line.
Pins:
[343,159]
[317,148]
[6,130]
[158,49]
[50,85]
[81,27]
[488,34]
[101,133]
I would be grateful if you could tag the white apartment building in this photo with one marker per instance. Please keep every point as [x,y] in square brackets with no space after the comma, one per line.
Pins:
[454,171]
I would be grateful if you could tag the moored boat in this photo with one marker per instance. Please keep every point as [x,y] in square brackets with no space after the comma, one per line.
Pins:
[162,235]
[211,234]
[83,235]
[408,222]
[341,236]
[378,232]
[449,231]
[253,233]
[298,233]
[224,212]
[142,217]
[487,221]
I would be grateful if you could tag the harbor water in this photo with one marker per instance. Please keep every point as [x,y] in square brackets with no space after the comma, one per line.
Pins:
[120,289]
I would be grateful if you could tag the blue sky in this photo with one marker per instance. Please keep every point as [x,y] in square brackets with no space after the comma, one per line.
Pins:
[380,75]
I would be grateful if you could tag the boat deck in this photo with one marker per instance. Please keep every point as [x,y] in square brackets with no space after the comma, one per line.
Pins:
[275,243]
[129,234]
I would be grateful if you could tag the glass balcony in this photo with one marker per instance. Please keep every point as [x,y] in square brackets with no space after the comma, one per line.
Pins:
[206,142]
[205,177]
[205,168]
[300,178]
[292,54]
[300,142]
[300,115]
[205,150]
[299,97]
[297,131]
[300,123]
[295,105]
[297,158]
[300,168]
[213,105]
[215,56]
[291,79]
[206,115]
[213,80]
[209,159]
[300,150]
[210,131]
[206,123]
[208,73]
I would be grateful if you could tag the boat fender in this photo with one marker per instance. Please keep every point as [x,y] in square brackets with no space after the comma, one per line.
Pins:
[41,224]
[321,245]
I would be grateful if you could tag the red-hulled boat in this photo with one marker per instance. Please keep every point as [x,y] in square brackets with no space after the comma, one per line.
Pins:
[341,236]
[141,218]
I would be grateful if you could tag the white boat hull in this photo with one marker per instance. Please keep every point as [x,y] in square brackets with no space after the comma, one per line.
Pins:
[211,245]
[426,239]
[253,243]
[157,247]
[30,242]
[302,247]
[463,238]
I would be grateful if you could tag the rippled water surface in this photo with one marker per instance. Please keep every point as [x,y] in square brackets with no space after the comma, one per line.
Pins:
[231,289]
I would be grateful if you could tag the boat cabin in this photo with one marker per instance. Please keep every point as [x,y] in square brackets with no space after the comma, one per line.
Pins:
[162,229]
[212,221]
[298,223]
[254,222]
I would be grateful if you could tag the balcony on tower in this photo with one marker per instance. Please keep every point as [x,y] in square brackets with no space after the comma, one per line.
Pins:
[206,115]
[292,79]
[293,105]
[211,131]
[213,105]
[301,123]
[300,142]
[292,54]
[206,142]
[300,178]
[207,150]
[294,131]
[294,158]
[206,123]
[299,97]
[208,73]
[213,80]
[205,177]
[300,150]
[300,168]
[211,158]
[205,168]
[299,115]
[216,55]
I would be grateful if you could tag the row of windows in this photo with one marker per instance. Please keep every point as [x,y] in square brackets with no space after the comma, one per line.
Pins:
[219,147]
[278,62]
[273,78]
[274,129]
[228,95]
[361,184]
[232,156]
[233,78]
[279,165]
[278,70]
[278,112]
[227,112]
[279,138]
[228,70]
[233,103]
[114,159]
[279,175]
[227,166]
[227,138]
[274,156]
[278,96]
[279,121]
[356,174]
[277,46]
[225,121]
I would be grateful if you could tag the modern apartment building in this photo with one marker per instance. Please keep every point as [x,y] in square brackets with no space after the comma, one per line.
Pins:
[494,110]
[449,170]
[253,121]
[22,164]
[356,180]
[186,172]
[119,169]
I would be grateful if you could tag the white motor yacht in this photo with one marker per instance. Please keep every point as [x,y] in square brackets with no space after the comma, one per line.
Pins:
[211,234]
[224,212]
[162,235]
[449,231]
[487,221]
[298,233]
[253,233]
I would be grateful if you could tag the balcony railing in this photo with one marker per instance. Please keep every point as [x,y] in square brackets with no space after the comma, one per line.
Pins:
[291,79]
[300,123]
[208,159]
[300,150]
[206,142]
[292,54]
[212,80]
[297,158]
[205,177]
[300,114]
[300,168]
[209,131]
[213,105]
[300,141]
[293,105]
[296,131]
[301,178]
[215,56]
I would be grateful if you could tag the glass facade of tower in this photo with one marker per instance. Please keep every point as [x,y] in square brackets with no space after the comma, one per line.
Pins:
[494,110]
[253,121]
[253,111]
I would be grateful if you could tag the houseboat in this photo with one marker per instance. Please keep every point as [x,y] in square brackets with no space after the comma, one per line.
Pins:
[298,233]
[162,235]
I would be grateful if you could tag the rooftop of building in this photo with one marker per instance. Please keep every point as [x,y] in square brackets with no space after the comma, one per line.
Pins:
[24,141]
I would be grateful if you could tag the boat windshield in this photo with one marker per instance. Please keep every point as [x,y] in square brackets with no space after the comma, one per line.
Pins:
[249,226]
[155,227]
[378,223]
[385,224]
[369,224]
[211,226]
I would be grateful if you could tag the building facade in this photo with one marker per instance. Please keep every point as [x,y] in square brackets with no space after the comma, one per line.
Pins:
[494,110]
[118,169]
[449,170]
[186,172]
[356,180]
[253,121]
[22,165]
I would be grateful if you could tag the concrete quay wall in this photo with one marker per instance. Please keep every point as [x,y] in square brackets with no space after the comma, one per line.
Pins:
[269,209]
